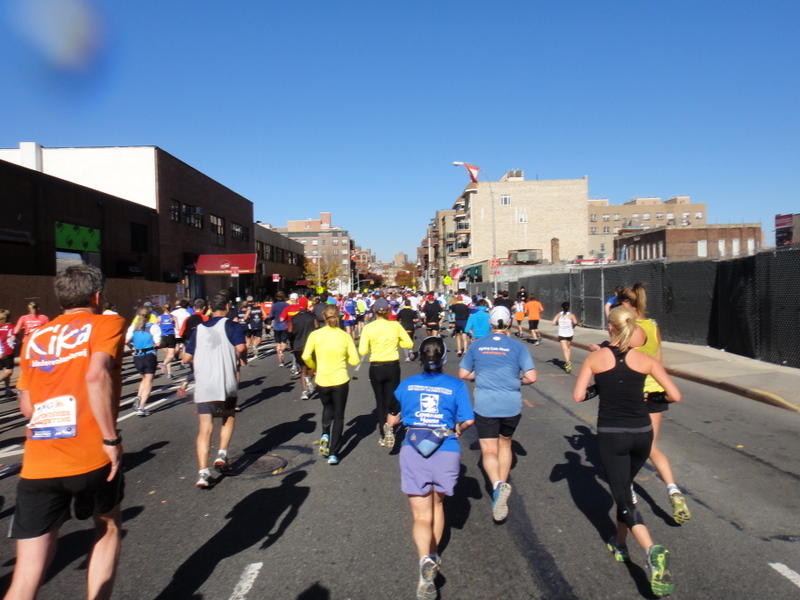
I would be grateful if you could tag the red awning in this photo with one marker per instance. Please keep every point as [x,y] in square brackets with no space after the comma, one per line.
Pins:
[220,264]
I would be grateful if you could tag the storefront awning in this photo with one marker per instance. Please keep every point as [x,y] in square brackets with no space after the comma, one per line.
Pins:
[220,264]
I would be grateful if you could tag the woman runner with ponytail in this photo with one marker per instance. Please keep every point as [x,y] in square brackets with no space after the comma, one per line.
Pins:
[625,433]
[427,403]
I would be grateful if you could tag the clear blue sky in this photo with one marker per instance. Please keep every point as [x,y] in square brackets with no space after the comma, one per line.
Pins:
[359,108]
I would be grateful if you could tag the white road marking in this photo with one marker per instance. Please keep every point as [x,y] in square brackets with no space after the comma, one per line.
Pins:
[246,581]
[786,572]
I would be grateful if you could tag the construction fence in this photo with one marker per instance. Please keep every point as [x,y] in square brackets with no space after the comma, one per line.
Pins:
[748,306]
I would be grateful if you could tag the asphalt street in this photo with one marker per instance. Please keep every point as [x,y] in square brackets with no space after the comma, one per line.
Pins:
[316,531]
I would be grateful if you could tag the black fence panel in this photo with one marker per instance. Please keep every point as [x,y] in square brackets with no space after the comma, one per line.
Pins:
[734,316]
[594,298]
[551,290]
[779,307]
[687,298]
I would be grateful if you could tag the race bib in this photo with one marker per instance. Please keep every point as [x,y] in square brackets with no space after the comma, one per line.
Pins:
[55,418]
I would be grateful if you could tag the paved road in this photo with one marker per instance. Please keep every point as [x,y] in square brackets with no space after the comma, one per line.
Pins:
[343,532]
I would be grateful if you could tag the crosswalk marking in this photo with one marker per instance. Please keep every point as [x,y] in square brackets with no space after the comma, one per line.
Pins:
[246,581]
[786,572]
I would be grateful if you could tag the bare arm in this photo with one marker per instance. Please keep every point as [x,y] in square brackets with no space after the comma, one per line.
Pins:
[25,406]
[529,377]
[101,400]
[583,380]
[464,374]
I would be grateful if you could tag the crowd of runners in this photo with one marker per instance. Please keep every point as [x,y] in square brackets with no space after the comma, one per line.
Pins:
[317,337]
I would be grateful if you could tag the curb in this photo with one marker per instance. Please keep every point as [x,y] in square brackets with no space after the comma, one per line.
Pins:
[757,395]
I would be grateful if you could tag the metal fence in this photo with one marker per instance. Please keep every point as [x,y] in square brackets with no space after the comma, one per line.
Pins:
[748,306]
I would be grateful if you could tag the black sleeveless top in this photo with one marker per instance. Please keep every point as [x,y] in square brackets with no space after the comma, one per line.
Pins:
[621,391]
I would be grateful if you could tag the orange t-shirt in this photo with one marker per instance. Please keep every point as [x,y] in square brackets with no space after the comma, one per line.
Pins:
[64,438]
[534,308]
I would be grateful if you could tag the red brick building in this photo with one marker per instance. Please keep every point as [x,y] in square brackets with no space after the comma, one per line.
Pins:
[715,242]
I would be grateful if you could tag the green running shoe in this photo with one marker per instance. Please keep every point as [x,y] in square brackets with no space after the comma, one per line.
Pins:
[620,551]
[680,513]
[323,445]
[658,566]
[568,367]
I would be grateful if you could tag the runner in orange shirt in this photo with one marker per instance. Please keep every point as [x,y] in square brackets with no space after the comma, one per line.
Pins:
[534,309]
[70,389]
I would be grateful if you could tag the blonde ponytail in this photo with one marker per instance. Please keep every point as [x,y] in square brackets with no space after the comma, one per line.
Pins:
[623,320]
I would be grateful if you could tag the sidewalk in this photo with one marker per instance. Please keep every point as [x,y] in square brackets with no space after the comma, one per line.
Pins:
[761,381]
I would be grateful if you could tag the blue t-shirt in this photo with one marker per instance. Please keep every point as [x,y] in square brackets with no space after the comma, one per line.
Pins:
[275,315]
[434,400]
[233,330]
[498,362]
[478,322]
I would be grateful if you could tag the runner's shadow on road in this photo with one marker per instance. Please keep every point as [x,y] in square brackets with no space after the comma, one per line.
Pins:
[315,592]
[251,521]
[458,507]
[266,393]
[588,494]
[279,435]
[358,428]
[131,460]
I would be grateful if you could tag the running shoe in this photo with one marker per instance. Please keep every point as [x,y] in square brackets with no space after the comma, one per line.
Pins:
[221,464]
[382,442]
[428,569]
[388,436]
[304,395]
[620,551]
[169,375]
[568,367]
[202,482]
[140,412]
[333,459]
[500,502]
[459,353]
[634,497]
[426,590]
[680,512]
[135,405]
[536,343]
[658,567]
[323,444]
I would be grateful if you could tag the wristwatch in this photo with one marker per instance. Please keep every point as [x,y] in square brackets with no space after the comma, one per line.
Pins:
[114,442]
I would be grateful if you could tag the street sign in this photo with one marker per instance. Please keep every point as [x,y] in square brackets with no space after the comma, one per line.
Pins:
[495,263]
[496,272]
[234,271]
[276,277]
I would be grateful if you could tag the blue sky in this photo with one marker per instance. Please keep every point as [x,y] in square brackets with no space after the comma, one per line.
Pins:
[359,108]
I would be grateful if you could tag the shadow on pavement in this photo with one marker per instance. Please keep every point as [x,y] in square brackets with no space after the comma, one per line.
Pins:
[458,507]
[315,592]
[131,460]
[358,428]
[266,393]
[251,521]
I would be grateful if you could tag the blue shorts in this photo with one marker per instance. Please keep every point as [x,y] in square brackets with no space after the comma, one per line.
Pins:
[418,474]
[281,336]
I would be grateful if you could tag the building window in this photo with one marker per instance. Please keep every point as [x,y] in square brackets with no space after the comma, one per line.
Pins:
[616,216]
[175,212]
[335,241]
[702,248]
[345,261]
[523,218]
[217,230]
[593,230]
[336,252]
[240,233]
[314,252]
[735,247]
[344,241]
[593,218]
[751,246]
[193,216]
[721,248]
[602,247]
[698,214]
[314,242]
[505,200]
[303,242]
[646,217]
[659,216]
[606,230]
[606,217]
[139,238]
[635,216]
[686,215]
[670,215]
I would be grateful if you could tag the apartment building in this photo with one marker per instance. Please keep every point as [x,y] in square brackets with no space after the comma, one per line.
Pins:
[605,221]
[492,219]
[688,242]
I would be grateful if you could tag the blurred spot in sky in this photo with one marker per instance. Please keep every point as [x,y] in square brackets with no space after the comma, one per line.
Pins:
[63,50]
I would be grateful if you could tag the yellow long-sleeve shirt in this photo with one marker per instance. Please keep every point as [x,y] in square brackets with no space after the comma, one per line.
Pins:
[328,351]
[380,340]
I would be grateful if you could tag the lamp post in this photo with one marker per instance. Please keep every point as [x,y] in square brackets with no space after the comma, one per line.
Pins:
[457,163]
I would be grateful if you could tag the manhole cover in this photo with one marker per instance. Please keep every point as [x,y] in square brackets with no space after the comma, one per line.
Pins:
[265,464]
